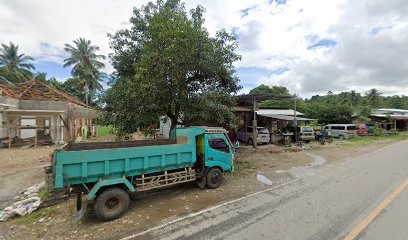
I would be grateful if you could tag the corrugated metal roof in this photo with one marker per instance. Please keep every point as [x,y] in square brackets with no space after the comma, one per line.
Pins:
[288,112]
[286,118]
[396,117]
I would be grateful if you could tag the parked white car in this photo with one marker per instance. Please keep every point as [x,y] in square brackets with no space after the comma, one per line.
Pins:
[340,131]
[305,133]
[247,136]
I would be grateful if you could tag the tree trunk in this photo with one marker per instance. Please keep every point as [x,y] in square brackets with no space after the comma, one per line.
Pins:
[86,94]
[174,121]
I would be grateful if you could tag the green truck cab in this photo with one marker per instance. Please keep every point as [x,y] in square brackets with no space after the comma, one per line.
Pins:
[107,172]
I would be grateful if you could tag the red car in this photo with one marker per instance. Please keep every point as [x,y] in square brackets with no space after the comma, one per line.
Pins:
[362,131]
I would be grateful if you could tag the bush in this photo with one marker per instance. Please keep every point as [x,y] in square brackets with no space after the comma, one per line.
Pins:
[377,131]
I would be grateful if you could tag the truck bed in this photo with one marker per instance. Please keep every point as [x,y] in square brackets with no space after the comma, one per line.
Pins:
[110,145]
[80,163]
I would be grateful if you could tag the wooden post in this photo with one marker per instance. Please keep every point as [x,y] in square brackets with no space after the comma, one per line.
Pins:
[36,137]
[254,127]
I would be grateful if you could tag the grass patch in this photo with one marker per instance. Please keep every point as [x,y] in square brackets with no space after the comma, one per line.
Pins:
[102,131]
[34,216]
[242,166]
[373,139]
[45,194]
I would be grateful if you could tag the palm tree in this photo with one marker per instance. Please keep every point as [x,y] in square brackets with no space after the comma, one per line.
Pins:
[373,97]
[86,65]
[16,64]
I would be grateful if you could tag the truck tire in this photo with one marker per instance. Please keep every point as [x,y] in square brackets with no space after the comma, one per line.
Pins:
[214,178]
[341,137]
[111,204]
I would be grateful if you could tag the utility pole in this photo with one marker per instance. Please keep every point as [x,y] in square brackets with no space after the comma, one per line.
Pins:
[254,125]
[295,121]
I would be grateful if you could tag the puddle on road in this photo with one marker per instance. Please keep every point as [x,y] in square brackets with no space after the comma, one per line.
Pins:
[317,160]
[263,179]
[301,171]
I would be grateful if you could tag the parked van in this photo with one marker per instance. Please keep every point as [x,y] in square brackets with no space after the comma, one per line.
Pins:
[247,136]
[340,131]
[305,133]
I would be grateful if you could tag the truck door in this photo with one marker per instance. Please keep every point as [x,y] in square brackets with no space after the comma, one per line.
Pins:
[218,151]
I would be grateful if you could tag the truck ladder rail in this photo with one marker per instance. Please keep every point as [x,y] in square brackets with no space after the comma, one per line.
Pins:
[151,182]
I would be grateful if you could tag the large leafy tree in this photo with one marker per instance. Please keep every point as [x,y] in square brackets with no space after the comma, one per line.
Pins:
[270,91]
[284,98]
[86,66]
[167,65]
[329,113]
[15,66]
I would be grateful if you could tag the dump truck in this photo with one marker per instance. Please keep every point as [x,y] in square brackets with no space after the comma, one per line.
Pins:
[106,173]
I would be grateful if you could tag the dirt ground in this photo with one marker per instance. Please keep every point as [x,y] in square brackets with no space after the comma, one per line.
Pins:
[21,168]
[274,163]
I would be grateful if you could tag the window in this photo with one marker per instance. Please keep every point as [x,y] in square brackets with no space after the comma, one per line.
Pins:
[307,129]
[351,127]
[338,127]
[218,144]
[263,130]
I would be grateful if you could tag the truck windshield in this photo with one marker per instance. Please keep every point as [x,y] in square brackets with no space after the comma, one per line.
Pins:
[218,144]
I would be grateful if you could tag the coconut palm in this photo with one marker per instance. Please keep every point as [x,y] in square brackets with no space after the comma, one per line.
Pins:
[373,97]
[17,65]
[86,65]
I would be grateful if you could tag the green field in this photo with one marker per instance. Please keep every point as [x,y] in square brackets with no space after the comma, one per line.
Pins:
[369,139]
[104,130]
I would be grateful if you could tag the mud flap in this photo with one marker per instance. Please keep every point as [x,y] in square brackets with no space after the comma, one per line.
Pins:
[81,205]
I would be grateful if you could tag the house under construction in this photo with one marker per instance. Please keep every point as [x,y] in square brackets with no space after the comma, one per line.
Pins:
[33,110]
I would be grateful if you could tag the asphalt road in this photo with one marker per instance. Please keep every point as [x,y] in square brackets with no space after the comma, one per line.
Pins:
[327,202]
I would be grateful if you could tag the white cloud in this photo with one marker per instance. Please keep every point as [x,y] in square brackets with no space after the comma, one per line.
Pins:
[371,37]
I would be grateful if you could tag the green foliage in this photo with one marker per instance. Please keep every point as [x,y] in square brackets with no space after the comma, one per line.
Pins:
[45,194]
[329,113]
[8,77]
[104,130]
[14,67]
[373,97]
[86,66]
[275,91]
[377,131]
[270,91]
[377,138]
[34,216]
[167,65]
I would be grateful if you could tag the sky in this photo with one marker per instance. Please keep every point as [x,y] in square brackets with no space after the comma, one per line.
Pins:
[311,47]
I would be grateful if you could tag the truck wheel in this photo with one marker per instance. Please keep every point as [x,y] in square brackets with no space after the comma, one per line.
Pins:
[250,141]
[341,137]
[214,178]
[111,204]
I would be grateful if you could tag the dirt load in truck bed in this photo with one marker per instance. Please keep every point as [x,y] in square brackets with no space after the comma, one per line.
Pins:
[111,145]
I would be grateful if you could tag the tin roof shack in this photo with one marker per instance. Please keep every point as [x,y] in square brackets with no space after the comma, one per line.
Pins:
[34,110]
[274,119]
[391,119]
